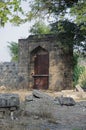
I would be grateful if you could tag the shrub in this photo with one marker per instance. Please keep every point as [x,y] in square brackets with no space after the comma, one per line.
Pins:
[77,69]
[82,79]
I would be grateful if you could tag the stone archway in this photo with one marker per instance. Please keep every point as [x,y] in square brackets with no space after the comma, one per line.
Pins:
[40,60]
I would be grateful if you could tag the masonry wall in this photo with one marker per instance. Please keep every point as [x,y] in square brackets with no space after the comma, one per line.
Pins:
[23,64]
[60,70]
[19,75]
[60,61]
[9,74]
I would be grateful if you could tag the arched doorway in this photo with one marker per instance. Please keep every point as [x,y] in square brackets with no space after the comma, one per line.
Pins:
[41,68]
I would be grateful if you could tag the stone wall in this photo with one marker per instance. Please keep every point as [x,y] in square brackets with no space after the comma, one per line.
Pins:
[23,64]
[19,75]
[60,61]
[9,74]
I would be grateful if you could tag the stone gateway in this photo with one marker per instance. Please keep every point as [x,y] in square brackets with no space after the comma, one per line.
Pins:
[45,63]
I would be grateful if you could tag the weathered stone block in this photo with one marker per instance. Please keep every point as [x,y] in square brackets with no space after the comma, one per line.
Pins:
[68,101]
[9,100]
[39,94]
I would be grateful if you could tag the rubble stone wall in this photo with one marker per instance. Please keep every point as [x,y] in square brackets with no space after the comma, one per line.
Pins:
[9,74]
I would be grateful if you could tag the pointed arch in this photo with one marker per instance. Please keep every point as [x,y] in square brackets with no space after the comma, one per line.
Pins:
[40,60]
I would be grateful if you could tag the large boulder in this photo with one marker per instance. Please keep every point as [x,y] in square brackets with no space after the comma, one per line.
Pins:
[40,104]
[36,95]
[41,95]
[68,101]
[9,100]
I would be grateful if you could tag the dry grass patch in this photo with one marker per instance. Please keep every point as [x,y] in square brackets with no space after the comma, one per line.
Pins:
[23,92]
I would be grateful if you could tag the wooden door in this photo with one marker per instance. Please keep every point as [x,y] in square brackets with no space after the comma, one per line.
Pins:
[41,71]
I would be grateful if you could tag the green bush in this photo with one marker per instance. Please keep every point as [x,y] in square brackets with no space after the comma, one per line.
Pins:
[82,79]
[14,49]
[78,70]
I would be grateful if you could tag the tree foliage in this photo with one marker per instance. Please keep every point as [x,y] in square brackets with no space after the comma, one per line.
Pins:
[79,10]
[40,28]
[73,34]
[59,7]
[14,48]
[11,11]
[56,10]
[50,7]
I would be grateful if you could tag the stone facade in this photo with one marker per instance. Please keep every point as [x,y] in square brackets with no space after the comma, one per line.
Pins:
[44,63]
[60,61]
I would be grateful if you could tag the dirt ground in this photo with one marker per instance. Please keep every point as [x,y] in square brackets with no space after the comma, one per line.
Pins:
[67,118]
[77,96]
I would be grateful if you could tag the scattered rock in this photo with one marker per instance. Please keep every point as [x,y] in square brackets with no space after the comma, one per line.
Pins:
[78,88]
[43,105]
[39,112]
[68,101]
[82,103]
[2,88]
[40,104]
[40,94]
[9,100]
[29,98]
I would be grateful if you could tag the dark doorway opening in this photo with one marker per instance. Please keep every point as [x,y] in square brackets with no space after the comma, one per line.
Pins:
[41,69]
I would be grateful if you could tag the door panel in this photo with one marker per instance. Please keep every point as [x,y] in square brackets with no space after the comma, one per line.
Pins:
[41,64]
[41,71]
[40,82]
